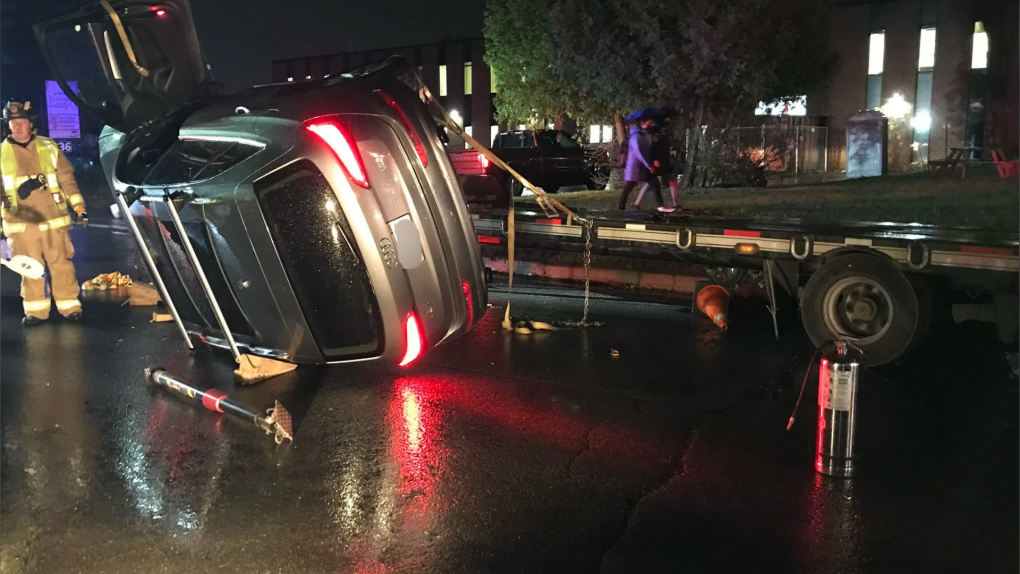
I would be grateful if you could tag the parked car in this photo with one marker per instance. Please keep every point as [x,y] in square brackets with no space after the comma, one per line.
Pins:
[549,159]
[314,222]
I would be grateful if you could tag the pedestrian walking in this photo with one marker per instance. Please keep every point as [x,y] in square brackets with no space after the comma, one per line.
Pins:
[38,185]
[640,165]
[662,146]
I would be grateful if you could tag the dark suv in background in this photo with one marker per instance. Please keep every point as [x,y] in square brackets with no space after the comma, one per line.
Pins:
[549,159]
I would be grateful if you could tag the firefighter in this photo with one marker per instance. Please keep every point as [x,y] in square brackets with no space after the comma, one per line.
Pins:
[38,187]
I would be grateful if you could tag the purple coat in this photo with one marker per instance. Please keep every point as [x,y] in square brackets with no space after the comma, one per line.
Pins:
[639,155]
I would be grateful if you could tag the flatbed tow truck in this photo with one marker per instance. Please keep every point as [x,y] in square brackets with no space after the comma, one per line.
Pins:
[878,283]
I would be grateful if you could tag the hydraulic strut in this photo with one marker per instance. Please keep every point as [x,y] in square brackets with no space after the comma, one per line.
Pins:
[276,421]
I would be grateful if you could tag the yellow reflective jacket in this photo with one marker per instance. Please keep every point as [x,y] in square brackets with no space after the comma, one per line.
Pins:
[46,206]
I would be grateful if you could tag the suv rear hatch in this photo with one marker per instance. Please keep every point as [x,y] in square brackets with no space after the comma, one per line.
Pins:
[135,62]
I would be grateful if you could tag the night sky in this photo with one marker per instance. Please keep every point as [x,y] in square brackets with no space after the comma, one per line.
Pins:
[242,37]
[263,30]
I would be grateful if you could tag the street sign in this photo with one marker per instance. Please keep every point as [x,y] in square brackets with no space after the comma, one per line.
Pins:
[61,113]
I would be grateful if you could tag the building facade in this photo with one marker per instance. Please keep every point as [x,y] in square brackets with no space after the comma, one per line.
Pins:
[454,71]
[945,72]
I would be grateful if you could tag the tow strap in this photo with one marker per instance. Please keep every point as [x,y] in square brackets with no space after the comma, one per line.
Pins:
[550,206]
[123,38]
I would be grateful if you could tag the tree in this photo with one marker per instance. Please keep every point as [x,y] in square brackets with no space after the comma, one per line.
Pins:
[710,59]
[519,48]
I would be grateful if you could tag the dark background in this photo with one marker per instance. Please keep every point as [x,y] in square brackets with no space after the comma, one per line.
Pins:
[241,38]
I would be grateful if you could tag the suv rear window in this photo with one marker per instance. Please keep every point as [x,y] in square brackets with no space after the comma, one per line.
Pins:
[516,140]
[191,160]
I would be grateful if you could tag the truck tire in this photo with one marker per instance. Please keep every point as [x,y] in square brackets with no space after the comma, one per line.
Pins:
[863,297]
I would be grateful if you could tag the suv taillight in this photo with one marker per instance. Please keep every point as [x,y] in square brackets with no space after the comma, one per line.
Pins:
[339,140]
[467,300]
[483,161]
[414,339]
[411,132]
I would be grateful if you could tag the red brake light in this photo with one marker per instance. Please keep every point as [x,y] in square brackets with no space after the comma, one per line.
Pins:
[414,339]
[418,148]
[467,299]
[483,160]
[161,13]
[340,142]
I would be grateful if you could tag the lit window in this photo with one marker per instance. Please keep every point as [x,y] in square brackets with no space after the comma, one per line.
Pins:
[979,58]
[492,79]
[467,130]
[467,79]
[593,136]
[607,133]
[876,53]
[926,60]
[796,107]
[493,132]
[290,79]
[442,80]
[521,127]
[456,117]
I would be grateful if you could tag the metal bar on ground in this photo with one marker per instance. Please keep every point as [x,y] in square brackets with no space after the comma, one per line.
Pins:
[277,421]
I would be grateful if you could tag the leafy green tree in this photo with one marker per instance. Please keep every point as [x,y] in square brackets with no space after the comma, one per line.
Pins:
[710,59]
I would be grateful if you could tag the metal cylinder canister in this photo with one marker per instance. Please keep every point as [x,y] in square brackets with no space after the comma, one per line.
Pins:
[837,409]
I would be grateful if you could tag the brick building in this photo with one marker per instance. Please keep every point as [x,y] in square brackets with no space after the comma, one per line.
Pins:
[945,71]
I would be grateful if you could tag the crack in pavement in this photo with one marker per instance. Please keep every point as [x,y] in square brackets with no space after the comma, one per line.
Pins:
[632,512]
[588,446]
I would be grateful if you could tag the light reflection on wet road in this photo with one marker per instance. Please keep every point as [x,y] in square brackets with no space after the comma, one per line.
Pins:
[500,453]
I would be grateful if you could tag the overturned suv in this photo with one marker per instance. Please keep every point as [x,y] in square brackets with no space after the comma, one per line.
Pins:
[314,222]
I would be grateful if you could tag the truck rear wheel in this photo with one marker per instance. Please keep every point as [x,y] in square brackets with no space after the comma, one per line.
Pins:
[865,298]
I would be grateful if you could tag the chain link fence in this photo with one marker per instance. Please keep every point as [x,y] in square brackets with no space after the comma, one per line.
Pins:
[786,149]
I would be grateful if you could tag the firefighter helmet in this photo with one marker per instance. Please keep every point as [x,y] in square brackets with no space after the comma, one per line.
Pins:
[18,109]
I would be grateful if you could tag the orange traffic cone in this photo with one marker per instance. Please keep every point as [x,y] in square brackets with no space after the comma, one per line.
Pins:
[714,301]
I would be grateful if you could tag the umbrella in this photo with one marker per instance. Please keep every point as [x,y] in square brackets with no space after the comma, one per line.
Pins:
[657,113]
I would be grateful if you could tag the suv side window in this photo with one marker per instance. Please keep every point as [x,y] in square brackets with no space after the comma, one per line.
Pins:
[515,140]
[564,140]
[191,160]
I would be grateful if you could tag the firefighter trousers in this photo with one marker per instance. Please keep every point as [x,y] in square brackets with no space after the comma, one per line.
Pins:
[53,248]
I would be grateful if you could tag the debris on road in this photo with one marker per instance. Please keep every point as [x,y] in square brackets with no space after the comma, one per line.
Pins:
[143,295]
[614,353]
[104,281]
[162,318]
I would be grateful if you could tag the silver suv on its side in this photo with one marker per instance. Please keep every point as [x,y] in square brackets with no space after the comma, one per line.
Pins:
[317,222]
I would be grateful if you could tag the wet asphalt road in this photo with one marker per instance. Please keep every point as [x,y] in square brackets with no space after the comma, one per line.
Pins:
[499,452]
